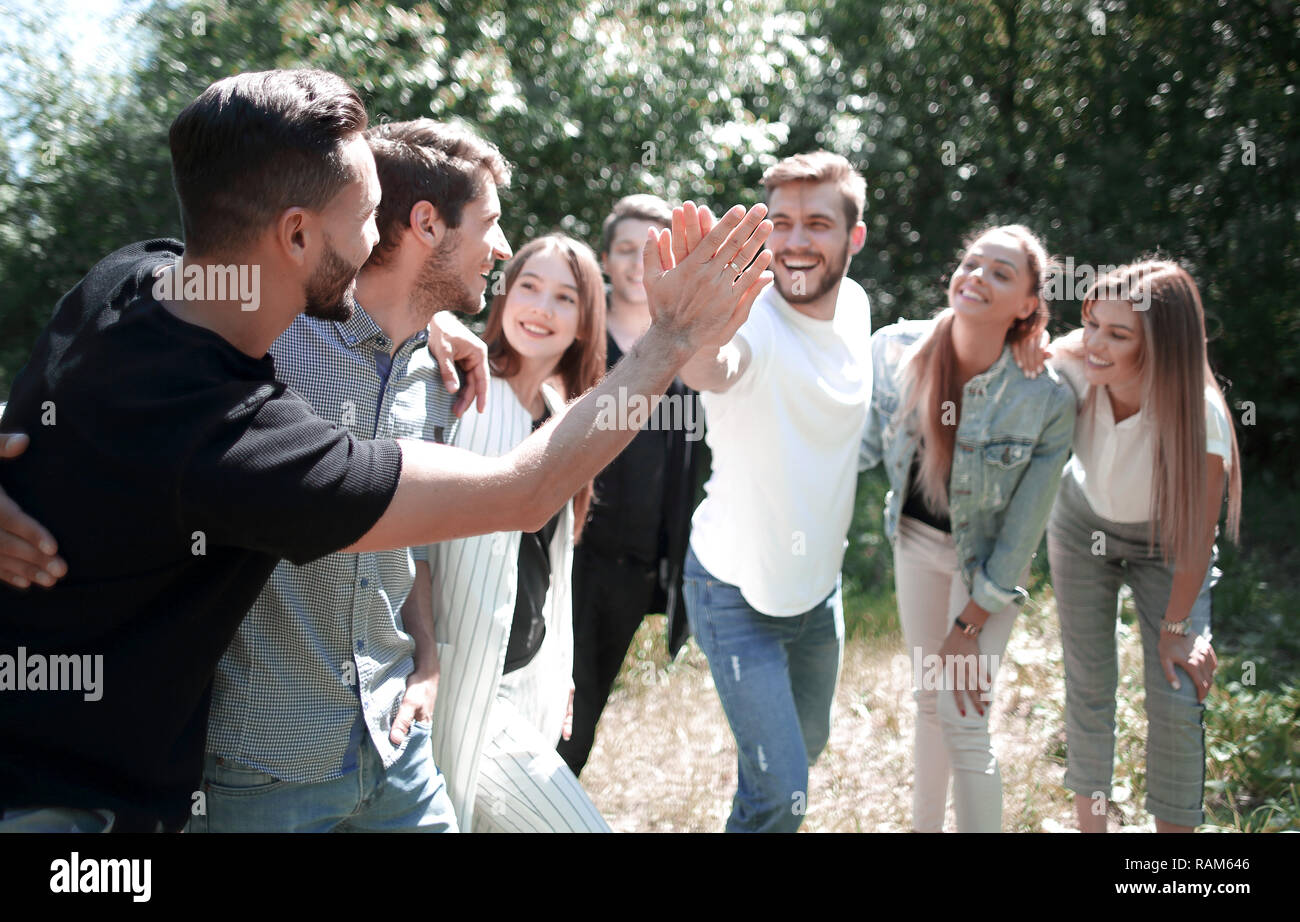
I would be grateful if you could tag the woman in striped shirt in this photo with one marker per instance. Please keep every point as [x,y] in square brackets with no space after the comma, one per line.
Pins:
[501,602]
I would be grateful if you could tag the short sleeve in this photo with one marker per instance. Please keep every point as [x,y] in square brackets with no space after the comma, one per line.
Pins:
[287,483]
[759,334]
[1218,428]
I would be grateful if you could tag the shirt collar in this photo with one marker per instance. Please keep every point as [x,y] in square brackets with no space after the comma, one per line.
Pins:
[361,327]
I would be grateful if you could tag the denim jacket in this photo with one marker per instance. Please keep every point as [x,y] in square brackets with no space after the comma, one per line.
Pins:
[1013,439]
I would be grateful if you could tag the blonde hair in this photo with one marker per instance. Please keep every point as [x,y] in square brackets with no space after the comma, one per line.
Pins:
[1175,370]
[930,377]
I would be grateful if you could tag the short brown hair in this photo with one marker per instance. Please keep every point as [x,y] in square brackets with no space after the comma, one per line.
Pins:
[639,207]
[255,144]
[441,163]
[817,167]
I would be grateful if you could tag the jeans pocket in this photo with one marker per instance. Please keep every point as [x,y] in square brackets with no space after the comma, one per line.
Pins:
[229,777]
[730,621]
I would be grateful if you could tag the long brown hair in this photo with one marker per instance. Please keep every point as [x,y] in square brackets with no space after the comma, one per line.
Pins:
[583,364]
[930,377]
[1175,369]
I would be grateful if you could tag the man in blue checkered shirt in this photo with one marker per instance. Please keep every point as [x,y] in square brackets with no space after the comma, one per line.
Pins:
[321,722]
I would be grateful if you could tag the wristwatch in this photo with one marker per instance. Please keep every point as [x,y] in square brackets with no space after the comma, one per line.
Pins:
[1175,627]
[969,630]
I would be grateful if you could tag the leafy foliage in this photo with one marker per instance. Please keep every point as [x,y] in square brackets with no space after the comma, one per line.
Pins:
[1114,128]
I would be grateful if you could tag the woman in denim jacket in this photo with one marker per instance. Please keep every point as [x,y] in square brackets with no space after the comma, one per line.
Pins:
[974,451]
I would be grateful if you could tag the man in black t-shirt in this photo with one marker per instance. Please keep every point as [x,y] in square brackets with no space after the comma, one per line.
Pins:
[176,470]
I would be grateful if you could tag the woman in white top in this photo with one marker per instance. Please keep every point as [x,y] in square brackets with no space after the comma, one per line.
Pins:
[1139,504]
[501,602]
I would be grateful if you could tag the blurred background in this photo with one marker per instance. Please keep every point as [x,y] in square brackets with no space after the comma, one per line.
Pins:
[1113,128]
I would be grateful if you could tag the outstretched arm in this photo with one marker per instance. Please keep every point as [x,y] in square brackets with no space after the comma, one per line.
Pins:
[447,493]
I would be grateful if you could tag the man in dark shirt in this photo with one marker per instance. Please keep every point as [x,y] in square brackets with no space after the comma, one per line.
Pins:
[629,562]
[176,470]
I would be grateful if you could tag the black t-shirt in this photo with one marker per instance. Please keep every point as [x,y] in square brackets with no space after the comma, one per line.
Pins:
[915,504]
[528,627]
[627,507]
[175,471]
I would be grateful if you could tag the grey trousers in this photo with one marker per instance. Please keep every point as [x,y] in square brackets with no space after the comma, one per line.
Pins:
[1091,558]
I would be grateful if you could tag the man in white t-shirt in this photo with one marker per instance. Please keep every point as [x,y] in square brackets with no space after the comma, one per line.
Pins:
[784,402]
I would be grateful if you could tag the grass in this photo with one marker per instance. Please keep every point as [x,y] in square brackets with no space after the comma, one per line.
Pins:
[664,758]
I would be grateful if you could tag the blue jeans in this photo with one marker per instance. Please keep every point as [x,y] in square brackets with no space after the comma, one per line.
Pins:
[411,796]
[776,679]
[55,819]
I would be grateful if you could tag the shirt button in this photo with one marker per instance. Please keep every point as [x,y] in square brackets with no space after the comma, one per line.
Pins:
[361,645]
[364,582]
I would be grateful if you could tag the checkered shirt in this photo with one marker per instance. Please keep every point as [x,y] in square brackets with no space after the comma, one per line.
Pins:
[322,655]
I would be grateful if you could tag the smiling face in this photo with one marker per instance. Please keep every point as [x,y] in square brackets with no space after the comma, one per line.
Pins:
[475,247]
[1112,343]
[992,283]
[623,263]
[454,277]
[347,233]
[811,240]
[541,314]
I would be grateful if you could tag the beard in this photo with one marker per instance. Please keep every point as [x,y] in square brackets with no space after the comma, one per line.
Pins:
[331,290]
[441,286]
[830,278]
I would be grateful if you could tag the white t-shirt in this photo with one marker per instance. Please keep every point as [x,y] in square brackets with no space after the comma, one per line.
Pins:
[1113,461]
[784,438]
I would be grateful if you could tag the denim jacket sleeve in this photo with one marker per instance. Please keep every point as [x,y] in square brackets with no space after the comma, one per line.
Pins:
[1026,513]
[872,448]
[869,452]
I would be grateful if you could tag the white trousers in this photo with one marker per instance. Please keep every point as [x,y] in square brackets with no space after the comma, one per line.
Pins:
[524,785]
[931,595]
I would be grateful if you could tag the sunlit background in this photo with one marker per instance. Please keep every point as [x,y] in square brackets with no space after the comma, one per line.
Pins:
[1113,128]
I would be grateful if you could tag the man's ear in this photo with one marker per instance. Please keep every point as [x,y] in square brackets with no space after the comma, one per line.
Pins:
[857,238]
[426,222]
[293,235]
